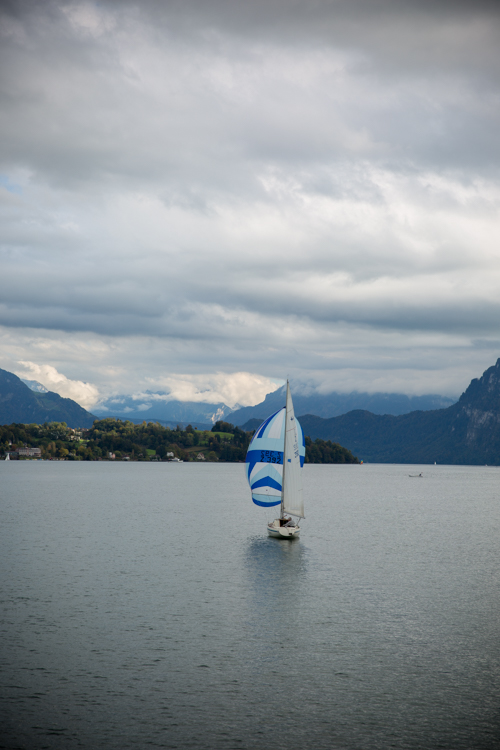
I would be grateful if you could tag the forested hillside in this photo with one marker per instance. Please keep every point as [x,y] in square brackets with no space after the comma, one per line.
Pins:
[144,442]
[112,439]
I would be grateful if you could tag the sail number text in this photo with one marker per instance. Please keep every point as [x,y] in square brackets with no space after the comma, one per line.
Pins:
[271,457]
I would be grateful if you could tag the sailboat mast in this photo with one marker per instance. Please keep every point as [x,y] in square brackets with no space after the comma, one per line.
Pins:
[282,512]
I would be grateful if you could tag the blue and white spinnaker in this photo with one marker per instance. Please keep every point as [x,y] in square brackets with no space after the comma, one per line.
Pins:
[264,462]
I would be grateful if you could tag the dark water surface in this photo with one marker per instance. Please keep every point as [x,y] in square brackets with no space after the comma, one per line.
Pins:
[143,606]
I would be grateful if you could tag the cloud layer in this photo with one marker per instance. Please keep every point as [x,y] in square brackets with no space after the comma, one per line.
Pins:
[249,190]
[85,394]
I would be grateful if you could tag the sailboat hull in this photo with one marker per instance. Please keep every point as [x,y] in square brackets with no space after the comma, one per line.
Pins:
[282,532]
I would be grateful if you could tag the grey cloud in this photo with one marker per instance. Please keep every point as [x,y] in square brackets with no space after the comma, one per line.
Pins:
[101,116]
[416,34]
[248,315]
[244,180]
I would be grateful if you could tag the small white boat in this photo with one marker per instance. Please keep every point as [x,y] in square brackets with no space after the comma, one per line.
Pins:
[274,469]
[416,475]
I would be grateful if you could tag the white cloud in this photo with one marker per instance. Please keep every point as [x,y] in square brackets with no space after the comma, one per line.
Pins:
[84,394]
[243,388]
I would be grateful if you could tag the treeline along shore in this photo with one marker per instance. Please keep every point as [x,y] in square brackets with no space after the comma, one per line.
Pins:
[114,440]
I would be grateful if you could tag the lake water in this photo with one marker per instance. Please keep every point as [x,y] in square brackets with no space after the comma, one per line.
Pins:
[144,606]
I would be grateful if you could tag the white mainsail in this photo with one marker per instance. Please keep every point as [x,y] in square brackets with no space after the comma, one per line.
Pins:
[292,500]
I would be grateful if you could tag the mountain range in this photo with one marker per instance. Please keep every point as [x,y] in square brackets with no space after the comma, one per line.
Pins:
[468,432]
[334,404]
[21,404]
[153,406]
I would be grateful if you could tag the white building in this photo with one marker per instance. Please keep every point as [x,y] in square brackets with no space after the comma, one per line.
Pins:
[30,452]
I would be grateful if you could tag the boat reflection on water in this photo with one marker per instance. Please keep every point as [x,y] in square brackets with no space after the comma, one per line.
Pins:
[276,570]
[276,565]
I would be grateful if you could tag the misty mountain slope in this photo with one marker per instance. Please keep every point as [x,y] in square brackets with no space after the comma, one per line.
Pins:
[335,404]
[467,432]
[153,407]
[20,404]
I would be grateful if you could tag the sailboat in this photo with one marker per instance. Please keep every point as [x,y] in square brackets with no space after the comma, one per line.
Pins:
[274,468]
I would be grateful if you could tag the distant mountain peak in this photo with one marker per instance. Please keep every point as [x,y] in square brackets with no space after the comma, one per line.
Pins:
[35,386]
[484,391]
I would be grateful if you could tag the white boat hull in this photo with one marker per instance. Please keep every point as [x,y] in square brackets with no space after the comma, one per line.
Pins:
[284,532]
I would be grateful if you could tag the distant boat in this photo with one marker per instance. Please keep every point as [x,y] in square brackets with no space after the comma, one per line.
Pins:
[416,475]
[274,468]
[7,457]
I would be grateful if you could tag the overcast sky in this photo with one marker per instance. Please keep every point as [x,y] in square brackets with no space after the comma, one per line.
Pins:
[206,196]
